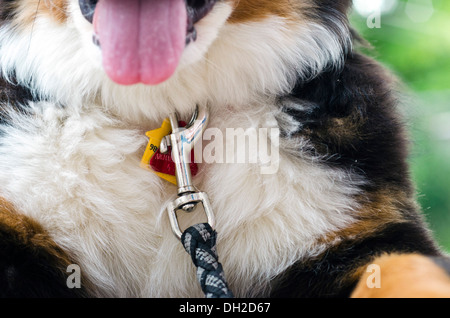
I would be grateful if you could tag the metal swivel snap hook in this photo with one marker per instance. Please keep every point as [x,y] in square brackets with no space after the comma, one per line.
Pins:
[182,140]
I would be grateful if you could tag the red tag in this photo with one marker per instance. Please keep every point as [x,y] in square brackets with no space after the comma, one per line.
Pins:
[163,162]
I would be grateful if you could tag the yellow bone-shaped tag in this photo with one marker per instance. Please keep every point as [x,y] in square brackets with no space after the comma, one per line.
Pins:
[155,138]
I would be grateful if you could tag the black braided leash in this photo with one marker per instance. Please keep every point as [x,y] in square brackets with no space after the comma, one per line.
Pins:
[200,243]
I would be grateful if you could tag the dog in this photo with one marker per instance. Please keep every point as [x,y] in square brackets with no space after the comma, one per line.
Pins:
[81,83]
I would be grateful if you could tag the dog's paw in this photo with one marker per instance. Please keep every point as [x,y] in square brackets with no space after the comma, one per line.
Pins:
[31,263]
[404,276]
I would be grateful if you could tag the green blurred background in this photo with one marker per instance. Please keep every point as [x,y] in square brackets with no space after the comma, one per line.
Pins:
[412,38]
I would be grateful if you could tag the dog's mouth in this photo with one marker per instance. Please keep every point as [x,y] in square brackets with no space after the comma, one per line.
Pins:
[196,10]
[142,40]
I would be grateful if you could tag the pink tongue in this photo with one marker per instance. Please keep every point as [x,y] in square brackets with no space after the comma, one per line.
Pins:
[141,40]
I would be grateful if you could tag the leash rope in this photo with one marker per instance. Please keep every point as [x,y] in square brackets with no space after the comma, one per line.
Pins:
[200,243]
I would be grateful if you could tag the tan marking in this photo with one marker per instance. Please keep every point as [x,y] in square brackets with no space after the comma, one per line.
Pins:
[257,10]
[56,8]
[376,211]
[405,276]
[28,10]
[346,130]
[29,233]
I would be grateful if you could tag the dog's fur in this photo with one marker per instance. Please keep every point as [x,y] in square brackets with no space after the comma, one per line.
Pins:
[71,141]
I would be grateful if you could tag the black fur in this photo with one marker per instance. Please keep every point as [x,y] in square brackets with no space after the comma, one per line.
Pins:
[371,140]
[350,117]
[31,265]
[6,10]
[13,97]
[332,14]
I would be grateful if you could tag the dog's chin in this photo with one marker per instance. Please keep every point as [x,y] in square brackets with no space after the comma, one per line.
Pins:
[207,30]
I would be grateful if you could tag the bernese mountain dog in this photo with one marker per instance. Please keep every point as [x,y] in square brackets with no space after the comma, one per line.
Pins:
[332,214]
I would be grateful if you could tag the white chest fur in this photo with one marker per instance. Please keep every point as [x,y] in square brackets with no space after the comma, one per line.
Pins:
[77,173]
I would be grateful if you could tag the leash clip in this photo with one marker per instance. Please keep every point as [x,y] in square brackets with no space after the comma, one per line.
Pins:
[182,141]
